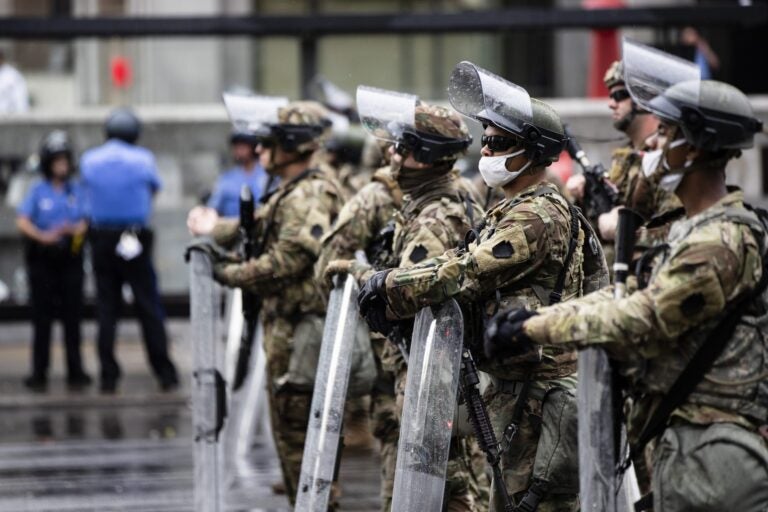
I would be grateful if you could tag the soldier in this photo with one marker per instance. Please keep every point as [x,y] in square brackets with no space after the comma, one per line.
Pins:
[436,212]
[528,251]
[293,220]
[626,172]
[709,453]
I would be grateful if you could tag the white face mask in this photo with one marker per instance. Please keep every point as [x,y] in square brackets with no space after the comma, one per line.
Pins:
[494,171]
[651,161]
[671,181]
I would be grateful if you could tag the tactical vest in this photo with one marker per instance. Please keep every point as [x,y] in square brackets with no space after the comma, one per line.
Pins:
[737,383]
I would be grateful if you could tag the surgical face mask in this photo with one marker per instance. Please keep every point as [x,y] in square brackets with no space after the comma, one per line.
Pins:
[672,145]
[651,162]
[494,171]
[670,182]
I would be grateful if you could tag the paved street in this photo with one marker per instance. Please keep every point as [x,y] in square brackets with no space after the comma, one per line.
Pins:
[66,451]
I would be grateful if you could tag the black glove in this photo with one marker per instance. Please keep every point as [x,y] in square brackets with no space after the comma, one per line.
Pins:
[372,300]
[505,336]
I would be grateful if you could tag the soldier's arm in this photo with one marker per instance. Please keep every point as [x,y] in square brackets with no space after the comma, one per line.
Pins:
[300,224]
[691,289]
[514,251]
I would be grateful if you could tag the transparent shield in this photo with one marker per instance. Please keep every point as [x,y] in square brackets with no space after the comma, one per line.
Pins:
[649,72]
[386,114]
[251,113]
[428,410]
[482,95]
[330,392]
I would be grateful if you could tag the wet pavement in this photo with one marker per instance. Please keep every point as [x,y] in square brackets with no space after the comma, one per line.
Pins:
[68,451]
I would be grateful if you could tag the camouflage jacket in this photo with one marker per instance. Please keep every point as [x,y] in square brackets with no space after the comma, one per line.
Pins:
[360,221]
[712,262]
[519,251]
[293,220]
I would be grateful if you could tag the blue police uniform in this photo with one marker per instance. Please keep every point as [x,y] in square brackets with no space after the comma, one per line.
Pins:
[225,198]
[55,275]
[119,181]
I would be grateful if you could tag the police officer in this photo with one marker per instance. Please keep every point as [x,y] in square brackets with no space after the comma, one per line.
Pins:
[527,251]
[709,453]
[120,180]
[225,198]
[52,220]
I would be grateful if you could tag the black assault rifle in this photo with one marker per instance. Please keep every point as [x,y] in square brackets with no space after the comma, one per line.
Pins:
[251,302]
[600,196]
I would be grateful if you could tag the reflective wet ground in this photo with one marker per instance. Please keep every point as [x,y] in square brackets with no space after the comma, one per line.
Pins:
[67,451]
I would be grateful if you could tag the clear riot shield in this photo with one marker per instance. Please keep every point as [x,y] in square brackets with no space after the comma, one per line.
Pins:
[208,393]
[649,72]
[327,411]
[386,114]
[428,411]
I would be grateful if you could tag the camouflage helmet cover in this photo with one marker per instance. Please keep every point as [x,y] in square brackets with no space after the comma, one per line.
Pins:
[443,122]
[614,75]
[309,115]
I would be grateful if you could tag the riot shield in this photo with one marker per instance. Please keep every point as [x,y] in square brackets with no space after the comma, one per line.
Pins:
[386,114]
[428,411]
[208,388]
[327,411]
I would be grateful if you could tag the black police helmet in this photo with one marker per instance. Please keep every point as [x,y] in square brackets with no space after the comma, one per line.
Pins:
[123,124]
[54,144]
[244,137]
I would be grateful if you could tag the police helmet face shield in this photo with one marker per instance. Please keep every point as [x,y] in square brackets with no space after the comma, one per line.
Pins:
[649,72]
[490,99]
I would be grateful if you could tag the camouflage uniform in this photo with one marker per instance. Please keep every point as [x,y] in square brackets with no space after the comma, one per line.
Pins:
[710,456]
[292,222]
[361,219]
[519,251]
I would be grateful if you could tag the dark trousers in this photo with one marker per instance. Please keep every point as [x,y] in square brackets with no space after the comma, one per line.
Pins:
[56,289]
[111,272]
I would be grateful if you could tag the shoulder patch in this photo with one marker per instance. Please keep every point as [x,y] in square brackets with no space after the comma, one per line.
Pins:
[692,304]
[316,231]
[418,253]
[503,250]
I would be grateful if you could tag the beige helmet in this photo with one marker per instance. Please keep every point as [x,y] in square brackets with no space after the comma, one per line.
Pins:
[614,75]
[302,126]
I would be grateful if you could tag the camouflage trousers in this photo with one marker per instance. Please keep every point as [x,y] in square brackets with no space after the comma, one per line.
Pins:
[710,468]
[466,484]
[384,421]
[288,410]
[545,443]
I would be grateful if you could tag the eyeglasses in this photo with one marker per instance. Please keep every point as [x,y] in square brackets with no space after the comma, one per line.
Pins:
[498,143]
[619,95]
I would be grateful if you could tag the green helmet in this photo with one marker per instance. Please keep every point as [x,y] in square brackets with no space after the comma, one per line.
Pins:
[548,121]
[712,115]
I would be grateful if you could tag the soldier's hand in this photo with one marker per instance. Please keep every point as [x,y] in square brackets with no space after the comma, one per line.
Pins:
[575,186]
[352,267]
[373,303]
[227,273]
[505,334]
[201,220]
[215,253]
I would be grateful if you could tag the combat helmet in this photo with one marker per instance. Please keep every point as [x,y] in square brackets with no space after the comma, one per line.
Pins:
[614,75]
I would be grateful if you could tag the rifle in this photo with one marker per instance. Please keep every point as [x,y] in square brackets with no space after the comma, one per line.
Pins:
[251,302]
[469,382]
[600,196]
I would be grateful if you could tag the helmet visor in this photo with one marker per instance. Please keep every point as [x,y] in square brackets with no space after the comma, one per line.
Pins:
[386,114]
[486,97]
[649,72]
[253,114]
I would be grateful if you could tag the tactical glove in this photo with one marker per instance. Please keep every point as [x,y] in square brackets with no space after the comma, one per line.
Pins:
[505,335]
[373,303]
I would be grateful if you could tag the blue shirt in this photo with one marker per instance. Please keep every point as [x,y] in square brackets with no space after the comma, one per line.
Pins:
[48,207]
[225,198]
[119,180]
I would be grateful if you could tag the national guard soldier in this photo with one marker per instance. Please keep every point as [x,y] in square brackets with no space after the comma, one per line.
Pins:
[626,171]
[52,220]
[436,213]
[528,251]
[120,180]
[290,226]
[690,343]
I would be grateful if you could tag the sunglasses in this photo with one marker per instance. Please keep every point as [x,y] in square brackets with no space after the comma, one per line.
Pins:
[619,95]
[498,143]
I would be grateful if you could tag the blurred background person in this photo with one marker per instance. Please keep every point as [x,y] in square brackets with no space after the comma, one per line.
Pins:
[52,220]
[14,97]
[120,180]
[225,198]
[704,56]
